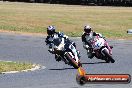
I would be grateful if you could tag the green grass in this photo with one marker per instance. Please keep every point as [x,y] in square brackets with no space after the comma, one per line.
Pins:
[14,66]
[112,22]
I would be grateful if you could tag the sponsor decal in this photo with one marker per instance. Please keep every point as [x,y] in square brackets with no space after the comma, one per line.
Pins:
[83,78]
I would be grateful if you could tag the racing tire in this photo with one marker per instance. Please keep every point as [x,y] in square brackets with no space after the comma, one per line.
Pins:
[109,57]
[72,61]
[79,64]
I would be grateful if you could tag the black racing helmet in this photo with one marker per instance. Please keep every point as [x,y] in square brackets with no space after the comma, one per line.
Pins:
[50,30]
[87,29]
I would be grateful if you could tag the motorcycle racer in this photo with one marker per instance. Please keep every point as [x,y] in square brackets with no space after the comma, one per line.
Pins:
[52,35]
[87,37]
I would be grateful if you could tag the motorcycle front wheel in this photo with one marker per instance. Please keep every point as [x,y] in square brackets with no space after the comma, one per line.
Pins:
[109,58]
[72,61]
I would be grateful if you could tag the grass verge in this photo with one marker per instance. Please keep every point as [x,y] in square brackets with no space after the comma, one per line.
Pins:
[14,66]
[112,22]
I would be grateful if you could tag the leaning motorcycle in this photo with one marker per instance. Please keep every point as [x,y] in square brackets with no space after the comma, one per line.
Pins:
[100,49]
[67,52]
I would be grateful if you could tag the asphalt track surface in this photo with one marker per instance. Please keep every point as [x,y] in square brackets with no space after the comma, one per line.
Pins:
[57,74]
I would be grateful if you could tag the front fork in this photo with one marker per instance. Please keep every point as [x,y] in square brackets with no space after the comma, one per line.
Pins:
[109,48]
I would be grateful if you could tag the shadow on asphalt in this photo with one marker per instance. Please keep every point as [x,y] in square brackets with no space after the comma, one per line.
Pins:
[62,69]
[95,63]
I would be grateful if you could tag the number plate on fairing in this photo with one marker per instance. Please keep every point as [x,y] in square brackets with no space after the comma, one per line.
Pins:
[98,43]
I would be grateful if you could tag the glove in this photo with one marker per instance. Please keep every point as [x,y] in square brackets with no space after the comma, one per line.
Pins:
[86,46]
[51,51]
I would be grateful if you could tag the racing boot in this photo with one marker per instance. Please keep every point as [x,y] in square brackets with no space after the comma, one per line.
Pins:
[90,54]
[57,58]
[78,54]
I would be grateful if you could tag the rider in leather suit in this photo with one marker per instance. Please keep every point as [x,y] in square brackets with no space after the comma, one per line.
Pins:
[52,34]
[87,36]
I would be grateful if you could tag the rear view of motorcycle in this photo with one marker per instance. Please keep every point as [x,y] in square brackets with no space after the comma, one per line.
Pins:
[101,50]
[64,49]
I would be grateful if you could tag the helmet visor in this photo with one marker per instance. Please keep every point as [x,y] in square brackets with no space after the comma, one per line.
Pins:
[87,30]
[49,32]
